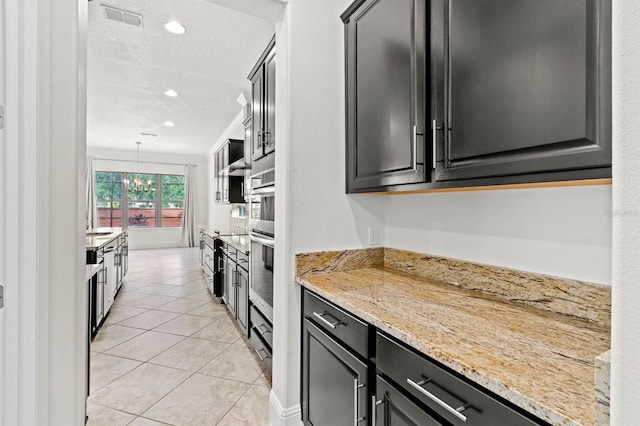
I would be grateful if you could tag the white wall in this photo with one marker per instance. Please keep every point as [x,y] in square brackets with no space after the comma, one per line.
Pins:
[61,180]
[625,321]
[145,238]
[564,231]
[220,214]
[312,210]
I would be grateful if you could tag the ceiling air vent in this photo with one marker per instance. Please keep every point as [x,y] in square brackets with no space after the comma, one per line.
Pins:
[120,15]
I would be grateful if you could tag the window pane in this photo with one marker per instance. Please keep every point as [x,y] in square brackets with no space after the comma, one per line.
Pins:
[108,197]
[172,216]
[172,200]
[173,187]
[141,187]
[142,214]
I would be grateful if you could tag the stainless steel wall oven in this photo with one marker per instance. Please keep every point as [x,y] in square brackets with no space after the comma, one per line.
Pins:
[261,233]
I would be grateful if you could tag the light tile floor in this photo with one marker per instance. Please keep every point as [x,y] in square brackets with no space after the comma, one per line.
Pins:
[169,353]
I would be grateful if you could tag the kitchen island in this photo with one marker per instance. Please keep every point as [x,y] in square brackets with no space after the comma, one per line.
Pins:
[108,249]
[529,339]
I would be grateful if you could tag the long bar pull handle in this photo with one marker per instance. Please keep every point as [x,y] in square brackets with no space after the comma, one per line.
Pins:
[415,135]
[321,318]
[262,358]
[374,409]
[456,412]
[265,331]
[434,141]
[356,402]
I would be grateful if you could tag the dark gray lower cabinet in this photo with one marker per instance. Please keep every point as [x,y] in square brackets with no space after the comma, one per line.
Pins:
[237,285]
[334,388]
[242,289]
[448,396]
[349,380]
[230,284]
[392,408]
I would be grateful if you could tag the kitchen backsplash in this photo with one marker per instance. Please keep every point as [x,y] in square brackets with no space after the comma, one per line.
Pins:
[562,295]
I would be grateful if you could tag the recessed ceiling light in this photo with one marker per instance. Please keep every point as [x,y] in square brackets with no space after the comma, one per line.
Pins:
[168,123]
[174,27]
[171,93]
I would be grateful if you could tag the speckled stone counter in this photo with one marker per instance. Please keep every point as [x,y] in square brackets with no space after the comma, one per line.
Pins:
[241,243]
[533,356]
[98,237]
[236,236]
[220,230]
[603,383]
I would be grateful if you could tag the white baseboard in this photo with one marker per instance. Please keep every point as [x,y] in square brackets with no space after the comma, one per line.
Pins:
[280,416]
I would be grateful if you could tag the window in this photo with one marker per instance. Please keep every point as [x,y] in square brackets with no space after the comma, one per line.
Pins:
[151,200]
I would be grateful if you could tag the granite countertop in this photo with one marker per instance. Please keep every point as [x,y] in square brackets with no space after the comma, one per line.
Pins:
[220,230]
[106,235]
[240,242]
[542,361]
[236,236]
[91,270]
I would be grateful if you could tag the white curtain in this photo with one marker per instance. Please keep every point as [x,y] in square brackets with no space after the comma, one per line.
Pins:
[188,237]
[92,212]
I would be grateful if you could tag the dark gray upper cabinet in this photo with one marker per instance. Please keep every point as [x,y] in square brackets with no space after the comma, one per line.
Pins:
[263,88]
[526,86]
[454,93]
[386,91]
[229,179]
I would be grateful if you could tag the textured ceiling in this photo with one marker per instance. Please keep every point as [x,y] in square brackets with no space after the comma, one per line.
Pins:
[130,67]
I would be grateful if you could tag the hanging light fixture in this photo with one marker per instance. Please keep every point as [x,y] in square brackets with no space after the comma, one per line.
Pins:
[137,185]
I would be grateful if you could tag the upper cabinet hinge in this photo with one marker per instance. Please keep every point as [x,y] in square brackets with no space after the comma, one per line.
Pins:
[1,296]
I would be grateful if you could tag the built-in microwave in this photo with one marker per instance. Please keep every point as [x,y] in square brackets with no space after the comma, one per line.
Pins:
[262,203]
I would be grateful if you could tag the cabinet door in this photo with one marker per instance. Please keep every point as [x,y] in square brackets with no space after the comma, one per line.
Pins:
[218,179]
[99,296]
[334,382]
[242,313]
[248,134]
[232,293]
[528,87]
[386,75]
[224,188]
[221,273]
[257,115]
[392,408]
[270,103]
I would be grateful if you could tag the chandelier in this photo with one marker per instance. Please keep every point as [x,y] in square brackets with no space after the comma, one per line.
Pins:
[137,185]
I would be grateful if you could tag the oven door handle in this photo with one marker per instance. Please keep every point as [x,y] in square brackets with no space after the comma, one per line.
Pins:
[267,189]
[269,242]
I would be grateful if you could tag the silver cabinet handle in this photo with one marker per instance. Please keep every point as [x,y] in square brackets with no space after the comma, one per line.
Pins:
[266,329]
[356,406]
[374,409]
[434,129]
[262,358]
[321,318]
[415,147]
[457,412]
